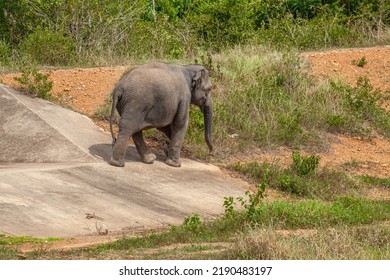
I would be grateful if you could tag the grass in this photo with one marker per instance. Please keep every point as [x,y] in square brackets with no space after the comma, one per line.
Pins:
[302,179]
[378,182]
[339,243]
[266,99]
[317,214]
[12,240]
[194,237]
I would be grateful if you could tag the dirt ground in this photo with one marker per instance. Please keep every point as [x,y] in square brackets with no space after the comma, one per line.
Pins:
[85,89]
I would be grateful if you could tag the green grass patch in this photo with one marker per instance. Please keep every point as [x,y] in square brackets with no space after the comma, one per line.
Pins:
[317,214]
[375,181]
[302,178]
[12,240]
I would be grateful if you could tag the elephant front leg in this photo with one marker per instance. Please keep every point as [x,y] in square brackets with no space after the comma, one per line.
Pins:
[120,148]
[146,155]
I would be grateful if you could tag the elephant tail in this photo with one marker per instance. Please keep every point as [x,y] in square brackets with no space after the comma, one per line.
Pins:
[115,97]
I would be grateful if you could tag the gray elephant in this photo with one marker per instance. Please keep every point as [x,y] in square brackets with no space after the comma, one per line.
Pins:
[158,95]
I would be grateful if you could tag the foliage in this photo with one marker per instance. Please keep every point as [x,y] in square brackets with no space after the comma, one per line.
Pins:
[192,223]
[11,240]
[304,165]
[48,48]
[308,213]
[4,53]
[96,32]
[35,82]
[363,103]
[361,62]
[301,178]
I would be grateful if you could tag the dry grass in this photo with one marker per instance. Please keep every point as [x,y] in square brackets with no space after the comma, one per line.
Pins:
[342,243]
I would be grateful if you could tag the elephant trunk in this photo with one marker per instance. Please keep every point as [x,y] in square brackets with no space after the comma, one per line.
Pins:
[208,116]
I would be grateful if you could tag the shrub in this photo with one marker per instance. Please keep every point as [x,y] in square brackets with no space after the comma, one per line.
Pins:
[192,223]
[304,165]
[363,104]
[49,48]
[4,53]
[35,82]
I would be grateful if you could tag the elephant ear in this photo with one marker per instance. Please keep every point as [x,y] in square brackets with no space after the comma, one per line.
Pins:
[197,80]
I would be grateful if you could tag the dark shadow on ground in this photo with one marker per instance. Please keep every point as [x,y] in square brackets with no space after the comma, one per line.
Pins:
[104,152]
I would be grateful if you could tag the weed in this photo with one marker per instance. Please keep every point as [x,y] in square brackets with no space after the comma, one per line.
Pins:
[11,240]
[314,213]
[364,103]
[103,112]
[253,201]
[304,165]
[336,123]
[35,82]
[192,223]
[228,204]
[362,61]
[301,178]
[380,182]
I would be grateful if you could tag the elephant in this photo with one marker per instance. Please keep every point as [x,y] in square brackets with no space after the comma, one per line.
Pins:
[158,95]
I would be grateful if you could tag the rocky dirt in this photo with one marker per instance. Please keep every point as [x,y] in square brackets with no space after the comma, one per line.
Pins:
[85,89]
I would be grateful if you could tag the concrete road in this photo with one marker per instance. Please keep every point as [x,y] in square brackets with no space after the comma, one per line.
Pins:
[55,180]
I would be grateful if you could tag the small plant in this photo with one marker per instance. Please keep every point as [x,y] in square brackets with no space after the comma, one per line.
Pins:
[36,83]
[253,201]
[304,165]
[192,223]
[229,203]
[250,204]
[103,112]
[291,184]
[362,61]
[335,123]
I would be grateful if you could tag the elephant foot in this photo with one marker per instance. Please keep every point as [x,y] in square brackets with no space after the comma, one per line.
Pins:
[117,163]
[166,150]
[149,158]
[174,163]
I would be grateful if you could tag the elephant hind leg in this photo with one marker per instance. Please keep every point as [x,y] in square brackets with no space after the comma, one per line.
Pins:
[146,155]
[168,132]
[120,148]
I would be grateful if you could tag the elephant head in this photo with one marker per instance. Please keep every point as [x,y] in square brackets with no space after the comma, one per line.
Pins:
[201,96]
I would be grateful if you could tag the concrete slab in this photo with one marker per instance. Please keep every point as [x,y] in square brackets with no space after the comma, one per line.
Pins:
[55,179]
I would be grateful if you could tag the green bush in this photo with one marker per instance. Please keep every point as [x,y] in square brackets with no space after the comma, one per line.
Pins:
[35,82]
[304,165]
[362,103]
[158,40]
[49,48]
[4,53]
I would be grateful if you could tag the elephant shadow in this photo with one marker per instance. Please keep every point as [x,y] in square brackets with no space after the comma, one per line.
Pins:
[104,151]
